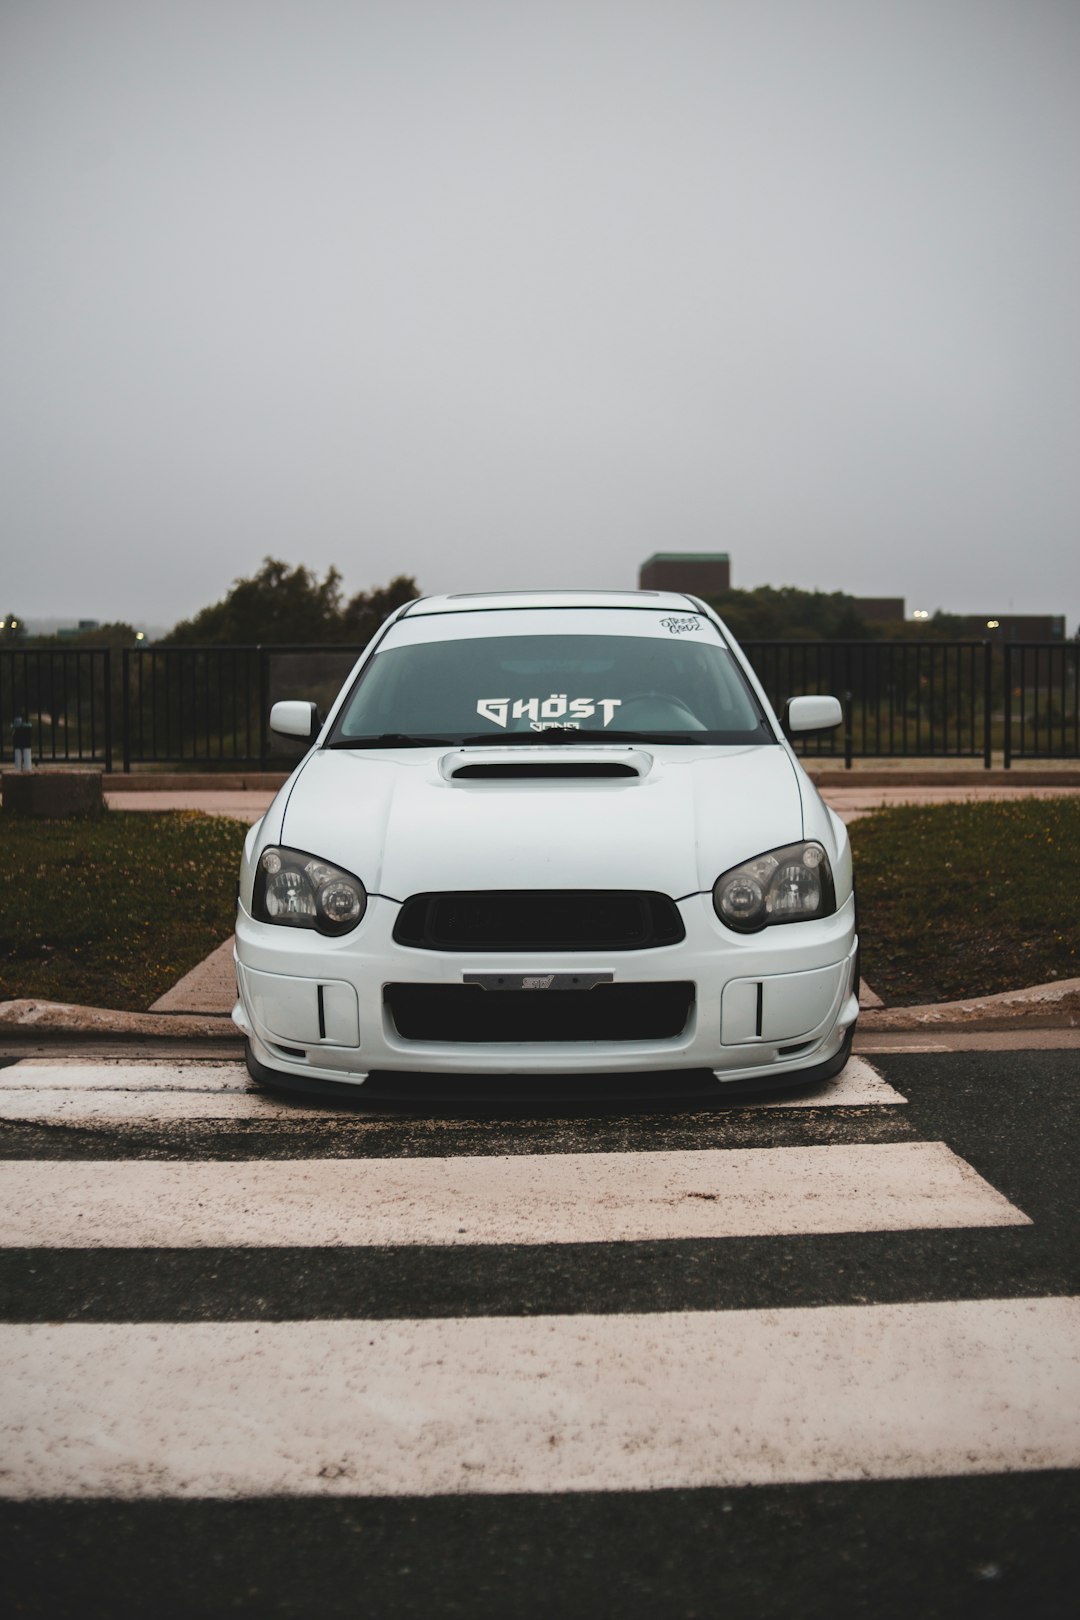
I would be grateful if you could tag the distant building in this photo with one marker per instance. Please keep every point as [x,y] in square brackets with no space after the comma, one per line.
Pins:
[708,574]
[1015,626]
[699,573]
[881,609]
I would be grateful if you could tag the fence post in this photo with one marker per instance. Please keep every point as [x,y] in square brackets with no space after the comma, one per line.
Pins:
[264,706]
[988,698]
[849,711]
[125,709]
[108,709]
[1008,706]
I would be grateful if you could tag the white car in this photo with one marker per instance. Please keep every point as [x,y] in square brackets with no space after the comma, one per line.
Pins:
[549,834]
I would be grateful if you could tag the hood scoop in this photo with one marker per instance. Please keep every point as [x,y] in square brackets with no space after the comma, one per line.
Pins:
[573,763]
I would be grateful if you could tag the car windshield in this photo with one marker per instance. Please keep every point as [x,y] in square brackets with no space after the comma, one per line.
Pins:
[565,686]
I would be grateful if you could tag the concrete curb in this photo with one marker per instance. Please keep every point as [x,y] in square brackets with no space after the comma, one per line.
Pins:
[30,1019]
[1043,1006]
[975,780]
[197,782]
[825,773]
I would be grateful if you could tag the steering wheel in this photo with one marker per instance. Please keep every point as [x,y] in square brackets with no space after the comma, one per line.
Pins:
[668,698]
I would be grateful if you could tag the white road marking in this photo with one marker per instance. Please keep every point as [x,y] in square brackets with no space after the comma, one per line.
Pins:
[856,1086]
[551,1404]
[147,1107]
[528,1199]
[36,1074]
[896,1046]
[39,1090]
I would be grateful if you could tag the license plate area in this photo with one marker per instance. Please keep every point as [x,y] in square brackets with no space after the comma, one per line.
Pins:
[468,1014]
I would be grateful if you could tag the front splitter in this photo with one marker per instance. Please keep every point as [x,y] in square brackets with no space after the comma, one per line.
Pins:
[414,1086]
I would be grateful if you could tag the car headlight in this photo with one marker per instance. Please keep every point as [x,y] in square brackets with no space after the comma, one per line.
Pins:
[791,884]
[300,891]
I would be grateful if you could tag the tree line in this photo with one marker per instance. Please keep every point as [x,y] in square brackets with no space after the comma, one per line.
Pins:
[281,605]
[278,606]
[786,613]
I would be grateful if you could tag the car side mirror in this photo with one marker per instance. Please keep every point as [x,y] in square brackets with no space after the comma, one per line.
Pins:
[812,714]
[295,719]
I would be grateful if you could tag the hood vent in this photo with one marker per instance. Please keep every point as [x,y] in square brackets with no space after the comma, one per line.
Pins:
[496,771]
[572,762]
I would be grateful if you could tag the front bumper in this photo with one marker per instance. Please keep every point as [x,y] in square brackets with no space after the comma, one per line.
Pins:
[766,1007]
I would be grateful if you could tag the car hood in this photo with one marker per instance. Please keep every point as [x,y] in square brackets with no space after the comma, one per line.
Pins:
[405,823]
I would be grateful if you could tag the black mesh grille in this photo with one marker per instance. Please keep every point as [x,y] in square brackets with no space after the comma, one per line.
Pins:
[539,920]
[610,1012]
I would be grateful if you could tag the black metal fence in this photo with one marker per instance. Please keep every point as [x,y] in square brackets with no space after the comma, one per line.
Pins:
[64,694]
[1041,701]
[901,699]
[209,707]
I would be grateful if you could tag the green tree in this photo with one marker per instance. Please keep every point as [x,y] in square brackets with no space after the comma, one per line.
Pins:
[940,627]
[366,611]
[278,604]
[785,613]
[281,605]
[115,635]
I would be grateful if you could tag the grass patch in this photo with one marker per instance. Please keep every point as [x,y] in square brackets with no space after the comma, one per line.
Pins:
[110,913]
[960,900]
[955,900]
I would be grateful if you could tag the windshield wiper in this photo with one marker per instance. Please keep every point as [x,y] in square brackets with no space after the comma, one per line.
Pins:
[557,736]
[516,739]
[391,739]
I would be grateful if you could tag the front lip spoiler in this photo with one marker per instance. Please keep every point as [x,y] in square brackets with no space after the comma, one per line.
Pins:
[388,1087]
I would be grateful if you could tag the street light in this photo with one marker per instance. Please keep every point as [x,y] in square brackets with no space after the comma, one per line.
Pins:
[993,624]
[920,613]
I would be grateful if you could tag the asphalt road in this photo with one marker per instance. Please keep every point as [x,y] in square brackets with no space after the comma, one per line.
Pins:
[901,1299]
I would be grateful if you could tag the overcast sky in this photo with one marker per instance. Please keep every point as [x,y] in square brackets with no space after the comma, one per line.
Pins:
[516,292]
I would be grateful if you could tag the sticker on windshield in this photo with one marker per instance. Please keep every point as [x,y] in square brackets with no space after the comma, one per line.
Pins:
[555,713]
[679,626]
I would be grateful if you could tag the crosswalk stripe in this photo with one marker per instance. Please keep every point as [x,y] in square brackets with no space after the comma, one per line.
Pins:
[37,1074]
[33,1091]
[555,1404]
[93,1107]
[520,1198]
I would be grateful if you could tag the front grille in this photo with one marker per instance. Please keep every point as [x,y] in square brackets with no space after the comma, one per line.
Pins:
[539,920]
[611,1012]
